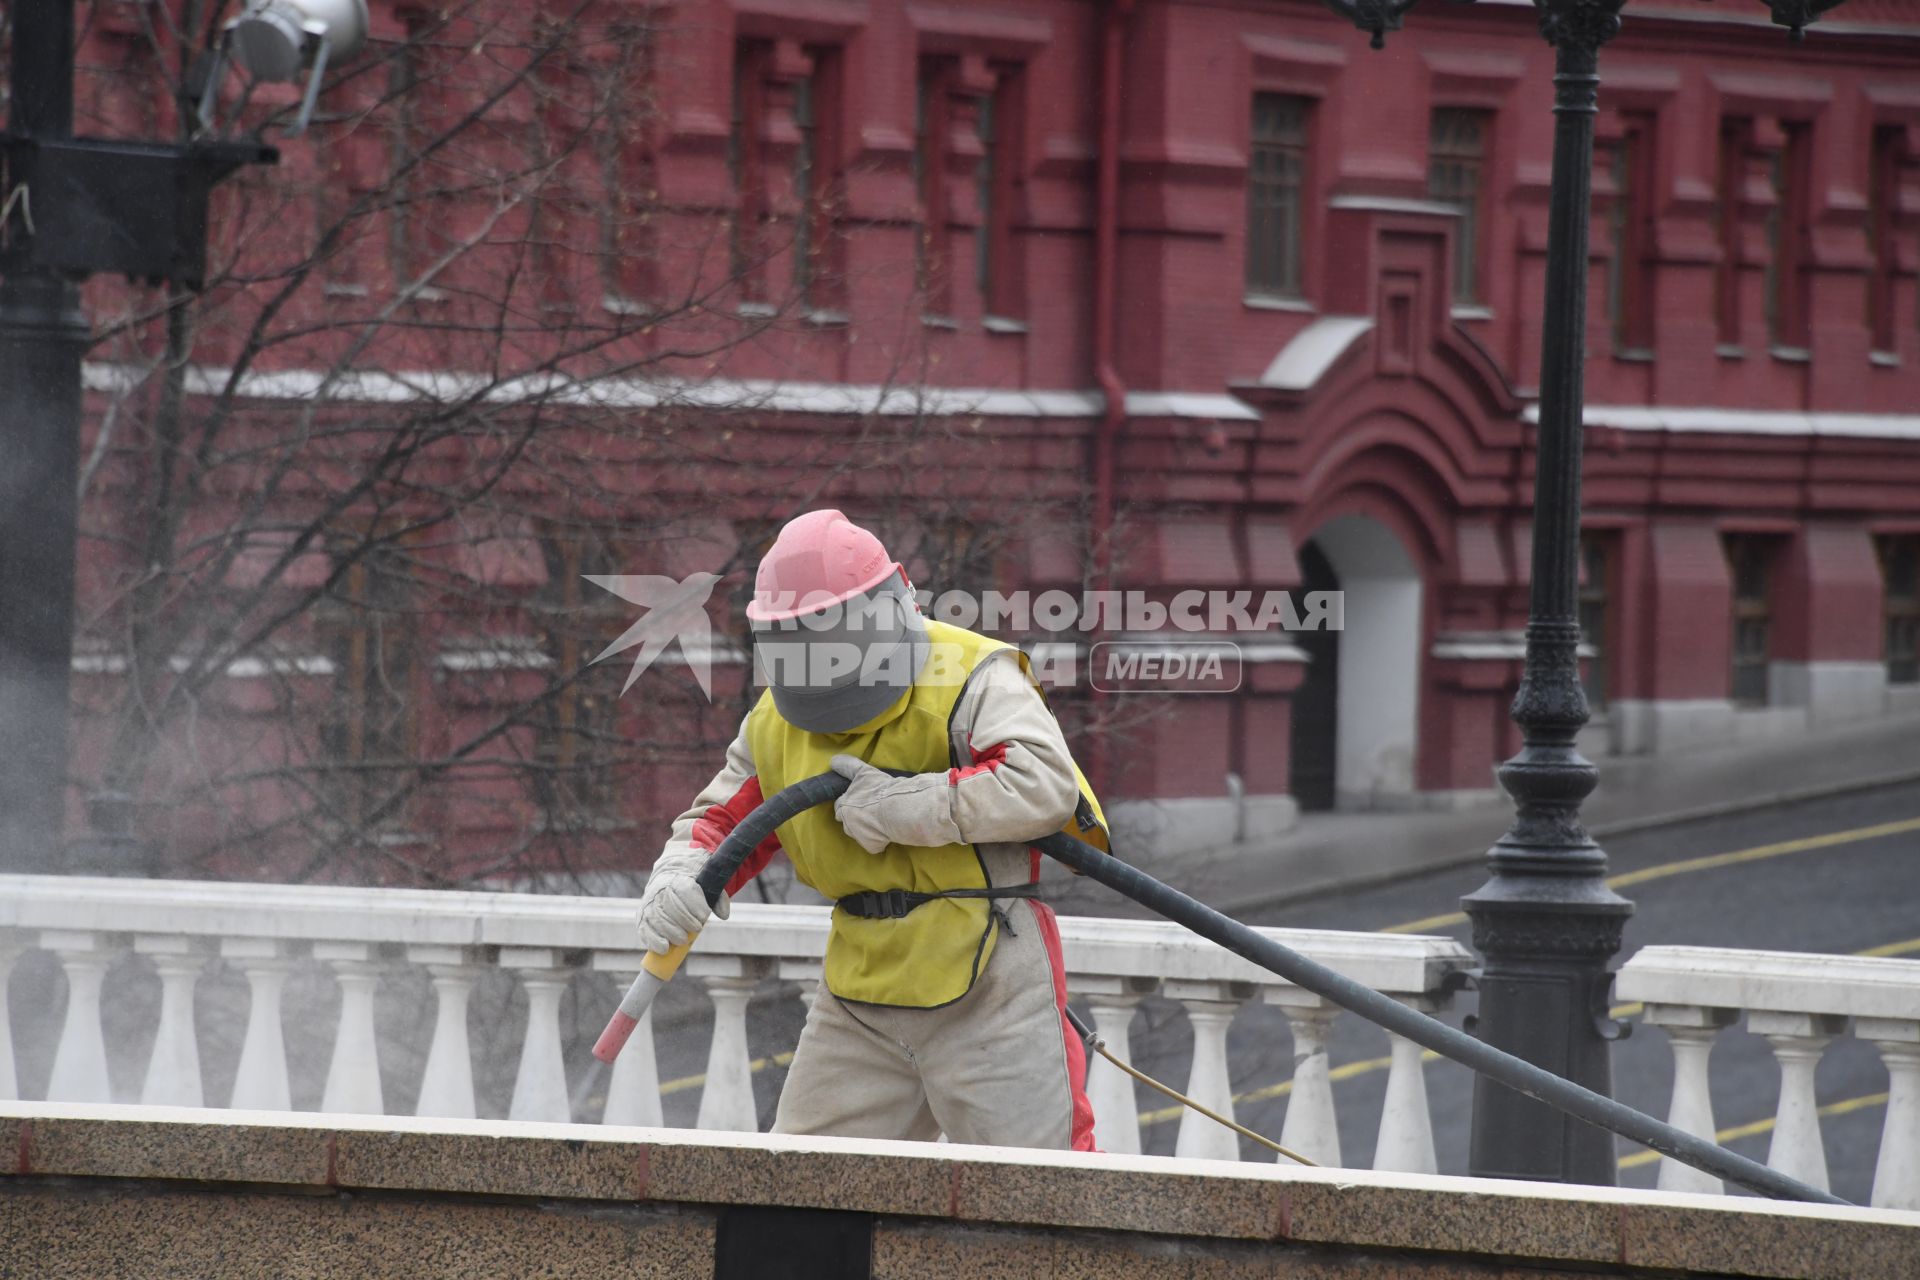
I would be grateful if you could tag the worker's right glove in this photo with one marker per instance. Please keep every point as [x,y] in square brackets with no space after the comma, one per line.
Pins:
[673,909]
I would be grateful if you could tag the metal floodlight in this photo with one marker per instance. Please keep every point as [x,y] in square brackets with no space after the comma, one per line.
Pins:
[281,39]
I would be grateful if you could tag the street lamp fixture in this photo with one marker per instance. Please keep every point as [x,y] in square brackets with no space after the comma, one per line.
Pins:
[279,40]
[1546,923]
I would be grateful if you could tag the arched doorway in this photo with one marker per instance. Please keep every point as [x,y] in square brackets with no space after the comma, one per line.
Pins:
[1355,715]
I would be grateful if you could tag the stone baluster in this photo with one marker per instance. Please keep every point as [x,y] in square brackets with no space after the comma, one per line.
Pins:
[1210,1008]
[9,1080]
[1405,1144]
[727,1100]
[1896,1178]
[805,975]
[1116,1109]
[1798,1040]
[1692,1029]
[446,1086]
[540,1085]
[633,1090]
[173,1070]
[260,1084]
[80,1062]
[353,1074]
[1310,1127]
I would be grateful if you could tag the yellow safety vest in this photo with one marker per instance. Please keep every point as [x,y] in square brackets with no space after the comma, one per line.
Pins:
[932,955]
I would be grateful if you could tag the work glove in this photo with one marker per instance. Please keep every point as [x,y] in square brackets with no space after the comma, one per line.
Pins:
[673,909]
[879,809]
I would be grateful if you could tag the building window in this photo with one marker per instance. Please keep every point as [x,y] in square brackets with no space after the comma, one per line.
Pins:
[368,627]
[576,742]
[1735,141]
[1749,559]
[1787,236]
[806,169]
[984,177]
[1456,161]
[1883,220]
[1900,565]
[1276,194]
[1630,284]
[817,185]
[1001,177]
[410,222]
[968,97]
[932,123]
[1596,578]
[627,176]
[745,169]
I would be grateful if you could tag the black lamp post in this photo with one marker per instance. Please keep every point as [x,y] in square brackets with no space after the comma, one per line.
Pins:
[74,207]
[1546,924]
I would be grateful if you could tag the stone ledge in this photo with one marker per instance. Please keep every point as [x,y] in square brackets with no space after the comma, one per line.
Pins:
[1153,1201]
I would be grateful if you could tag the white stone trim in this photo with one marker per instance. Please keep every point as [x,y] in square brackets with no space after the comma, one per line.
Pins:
[496,657]
[1395,204]
[99,663]
[1763,422]
[1774,981]
[1314,350]
[771,395]
[1487,646]
[1189,404]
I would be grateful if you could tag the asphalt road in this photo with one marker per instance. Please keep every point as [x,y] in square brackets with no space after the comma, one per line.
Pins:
[1841,899]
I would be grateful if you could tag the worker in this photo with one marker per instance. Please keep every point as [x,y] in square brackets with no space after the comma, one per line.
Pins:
[942,1009]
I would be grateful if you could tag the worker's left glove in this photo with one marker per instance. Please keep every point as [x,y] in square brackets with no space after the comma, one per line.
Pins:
[879,809]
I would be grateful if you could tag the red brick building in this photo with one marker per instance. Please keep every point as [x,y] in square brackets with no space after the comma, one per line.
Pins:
[1290,338]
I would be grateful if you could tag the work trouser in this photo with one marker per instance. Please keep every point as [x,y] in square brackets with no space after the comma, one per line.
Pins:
[998,1066]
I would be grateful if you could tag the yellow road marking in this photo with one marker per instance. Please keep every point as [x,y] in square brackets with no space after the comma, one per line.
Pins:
[1711,862]
[1740,1131]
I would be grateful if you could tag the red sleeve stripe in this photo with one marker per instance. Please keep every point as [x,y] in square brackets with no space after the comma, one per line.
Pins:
[719,821]
[983,762]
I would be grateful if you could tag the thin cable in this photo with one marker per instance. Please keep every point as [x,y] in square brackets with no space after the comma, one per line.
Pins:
[1099,1046]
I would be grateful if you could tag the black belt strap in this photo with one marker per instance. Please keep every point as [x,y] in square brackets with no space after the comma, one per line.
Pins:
[894,904]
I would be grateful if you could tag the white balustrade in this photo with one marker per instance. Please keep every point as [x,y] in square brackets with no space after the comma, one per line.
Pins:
[633,1088]
[1116,1114]
[540,1085]
[1798,1040]
[1210,1009]
[173,1070]
[80,1063]
[1799,1003]
[9,1080]
[727,1100]
[1692,1029]
[353,1073]
[446,1086]
[361,940]
[1405,1144]
[1311,1127]
[1896,1178]
[260,1083]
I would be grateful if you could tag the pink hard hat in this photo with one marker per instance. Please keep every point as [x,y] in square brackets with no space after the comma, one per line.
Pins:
[820,559]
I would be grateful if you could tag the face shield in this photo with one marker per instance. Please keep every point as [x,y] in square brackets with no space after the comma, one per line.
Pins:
[834,669]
